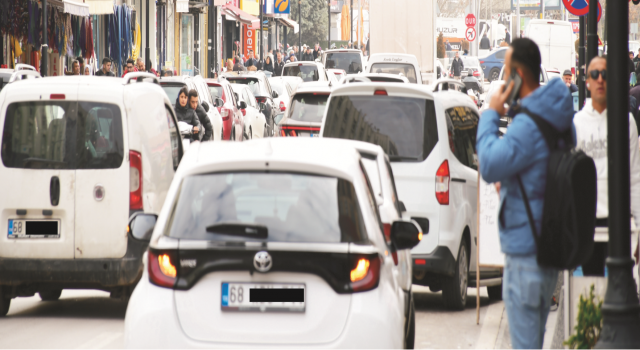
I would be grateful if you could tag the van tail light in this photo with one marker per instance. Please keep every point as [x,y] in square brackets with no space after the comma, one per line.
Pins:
[282,133]
[225,114]
[365,272]
[442,183]
[135,181]
[282,107]
[162,268]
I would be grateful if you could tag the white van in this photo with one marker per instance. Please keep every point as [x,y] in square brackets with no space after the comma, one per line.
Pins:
[80,156]
[556,42]
[395,63]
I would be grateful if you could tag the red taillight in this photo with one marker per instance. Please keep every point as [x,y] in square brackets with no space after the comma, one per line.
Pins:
[573,70]
[244,112]
[442,183]
[261,99]
[387,231]
[282,133]
[225,114]
[365,274]
[162,268]
[135,181]
[57,96]
[282,107]
[481,62]
[380,92]
[476,73]
[293,133]
[420,262]
[299,64]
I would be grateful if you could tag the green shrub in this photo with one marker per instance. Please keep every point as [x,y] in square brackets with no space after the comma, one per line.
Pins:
[589,323]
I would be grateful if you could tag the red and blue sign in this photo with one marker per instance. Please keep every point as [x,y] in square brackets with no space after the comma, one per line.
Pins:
[580,7]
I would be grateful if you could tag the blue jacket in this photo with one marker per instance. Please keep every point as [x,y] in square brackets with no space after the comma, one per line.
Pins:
[522,151]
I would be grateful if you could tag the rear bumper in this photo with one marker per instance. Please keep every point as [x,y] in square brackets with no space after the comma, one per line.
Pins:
[75,273]
[440,262]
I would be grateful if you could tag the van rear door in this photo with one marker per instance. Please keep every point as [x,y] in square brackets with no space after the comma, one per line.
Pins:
[560,47]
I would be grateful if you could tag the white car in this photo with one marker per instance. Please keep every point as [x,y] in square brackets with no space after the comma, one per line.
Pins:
[349,60]
[92,152]
[337,73]
[294,82]
[304,115]
[430,140]
[6,73]
[274,242]
[395,63]
[255,124]
[307,70]
[284,89]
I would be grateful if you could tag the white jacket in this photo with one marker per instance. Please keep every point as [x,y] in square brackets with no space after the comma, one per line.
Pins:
[591,137]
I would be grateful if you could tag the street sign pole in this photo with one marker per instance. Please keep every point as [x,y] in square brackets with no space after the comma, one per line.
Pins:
[517,33]
[592,31]
[45,48]
[581,59]
[620,310]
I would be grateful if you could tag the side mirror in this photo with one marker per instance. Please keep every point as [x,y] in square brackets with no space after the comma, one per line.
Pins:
[236,95]
[205,105]
[402,207]
[405,234]
[242,105]
[263,106]
[274,94]
[141,226]
[218,102]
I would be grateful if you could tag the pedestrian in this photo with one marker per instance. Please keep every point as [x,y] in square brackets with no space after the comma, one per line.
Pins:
[87,70]
[507,36]
[279,66]
[268,64]
[168,73]
[632,67]
[522,153]
[239,67]
[203,118]
[230,65]
[485,43]
[250,61]
[316,50]
[448,46]
[567,77]
[307,56]
[591,137]
[75,68]
[106,68]
[366,48]
[184,113]
[129,68]
[457,66]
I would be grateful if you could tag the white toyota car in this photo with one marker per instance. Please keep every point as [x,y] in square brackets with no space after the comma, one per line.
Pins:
[273,242]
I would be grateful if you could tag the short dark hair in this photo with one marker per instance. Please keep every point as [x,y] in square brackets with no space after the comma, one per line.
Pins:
[106,60]
[130,61]
[80,60]
[193,93]
[184,91]
[74,62]
[526,53]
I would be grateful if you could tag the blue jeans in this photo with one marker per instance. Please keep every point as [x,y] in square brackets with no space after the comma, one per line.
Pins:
[527,290]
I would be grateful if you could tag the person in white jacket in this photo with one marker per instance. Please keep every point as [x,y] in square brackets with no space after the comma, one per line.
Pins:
[591,137]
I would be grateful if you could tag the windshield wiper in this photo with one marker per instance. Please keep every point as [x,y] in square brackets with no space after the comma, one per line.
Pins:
[392,158]
[240,229]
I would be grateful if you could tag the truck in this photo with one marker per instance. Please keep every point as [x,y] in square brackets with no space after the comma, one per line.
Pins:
[556,42]
[405,27]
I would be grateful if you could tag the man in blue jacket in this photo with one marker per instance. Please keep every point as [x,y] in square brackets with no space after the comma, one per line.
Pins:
[522,151]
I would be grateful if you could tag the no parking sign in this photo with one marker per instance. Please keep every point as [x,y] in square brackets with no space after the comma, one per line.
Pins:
[580,7]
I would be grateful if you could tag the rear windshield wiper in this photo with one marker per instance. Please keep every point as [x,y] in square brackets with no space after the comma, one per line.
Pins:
[392,158]
[240,229]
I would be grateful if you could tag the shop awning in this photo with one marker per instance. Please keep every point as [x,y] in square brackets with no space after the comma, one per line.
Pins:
[235,14]
[74,7]
[100,7]
[289,23]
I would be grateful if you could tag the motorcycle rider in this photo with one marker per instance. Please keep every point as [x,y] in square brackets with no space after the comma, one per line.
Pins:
[201,113]
[186,114]
[472,82]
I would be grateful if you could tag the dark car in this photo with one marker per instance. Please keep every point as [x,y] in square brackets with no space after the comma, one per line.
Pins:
[492,63]
[261,89]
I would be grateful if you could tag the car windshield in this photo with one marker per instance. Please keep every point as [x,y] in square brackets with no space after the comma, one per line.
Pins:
[293,207]
[406,70]
[308,107]
[306,72]
[350,62]
[62,135]
[172,91]
[252,83]
[405,127]
[216,91]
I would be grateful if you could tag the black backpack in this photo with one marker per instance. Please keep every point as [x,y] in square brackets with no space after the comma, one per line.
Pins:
[569,211]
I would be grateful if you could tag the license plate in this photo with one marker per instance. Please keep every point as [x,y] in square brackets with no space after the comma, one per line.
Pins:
[33,228]
[263,297]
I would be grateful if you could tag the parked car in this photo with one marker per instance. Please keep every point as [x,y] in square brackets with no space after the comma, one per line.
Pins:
[284,89]
[6,73]
[261,89]
[492,63]
[338,73]
[395,63]
[220,88]
[294,82]
[349,60]
[304,115]
[172,86]
[430,141]
[308,71]
[279,218]
[94,152]
[255,124]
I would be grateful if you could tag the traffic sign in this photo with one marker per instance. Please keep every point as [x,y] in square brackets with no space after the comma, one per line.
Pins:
[470,20]
[580,7]
[470,34]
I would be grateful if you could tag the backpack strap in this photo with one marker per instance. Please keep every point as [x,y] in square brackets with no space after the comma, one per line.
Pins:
[528,207]
[550,134]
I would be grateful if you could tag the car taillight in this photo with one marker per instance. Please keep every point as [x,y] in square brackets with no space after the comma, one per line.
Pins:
[261,99]
[282,107]
[442,183]
[225,114]
[573,70]
[481,62]
[387,236]
[476,73]
[57,96]
[162,268]
[365,274]
[135,181]
[244,112]
[380,92]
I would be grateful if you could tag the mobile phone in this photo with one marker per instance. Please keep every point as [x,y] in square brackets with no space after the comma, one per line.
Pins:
[517,80]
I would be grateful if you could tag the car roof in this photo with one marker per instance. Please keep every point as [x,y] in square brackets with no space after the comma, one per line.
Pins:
[304,63]
[343,50]
[175,79]
[315,86]
[385,75]
[449,99]
[361,146]
[393,89]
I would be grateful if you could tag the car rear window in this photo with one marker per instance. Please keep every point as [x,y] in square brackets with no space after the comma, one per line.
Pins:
[308,107]
[349,61]
[216,91]
[293,207]
[277,86]
[62,135]
[252,83]
[405,127]
[406,70]
[306,72]
[172,91]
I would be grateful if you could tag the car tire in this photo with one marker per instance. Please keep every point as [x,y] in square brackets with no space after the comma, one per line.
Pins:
[4,304]
[250,134]
[265,133]
[410,332]
[233,136]
[50,295]
[494,74]
[454,288]
[495,292]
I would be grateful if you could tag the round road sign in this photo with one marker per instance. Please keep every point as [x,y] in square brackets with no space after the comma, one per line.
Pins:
[470,34]
[580,7]
[470,20]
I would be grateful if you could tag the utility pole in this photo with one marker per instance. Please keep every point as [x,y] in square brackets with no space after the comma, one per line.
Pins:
[581,59]
[351,21]
[541,9]
[300,31]
[592,31]
[517,33]
[329,17]
[147,50]
[45,48]
[620,310]
[261,34]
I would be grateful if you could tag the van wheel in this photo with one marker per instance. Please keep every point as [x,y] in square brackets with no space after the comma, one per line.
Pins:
[410,332]
[494,74]
[50,295]
[4,304]
[454,288]
[495,292]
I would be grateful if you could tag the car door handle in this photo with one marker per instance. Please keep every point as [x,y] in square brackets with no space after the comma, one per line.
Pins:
[455,179]
[54,190]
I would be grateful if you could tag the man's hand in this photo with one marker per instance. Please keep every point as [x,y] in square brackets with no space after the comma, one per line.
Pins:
[195,129]
[499,98]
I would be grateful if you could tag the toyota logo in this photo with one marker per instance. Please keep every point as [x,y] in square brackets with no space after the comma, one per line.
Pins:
[262,261]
